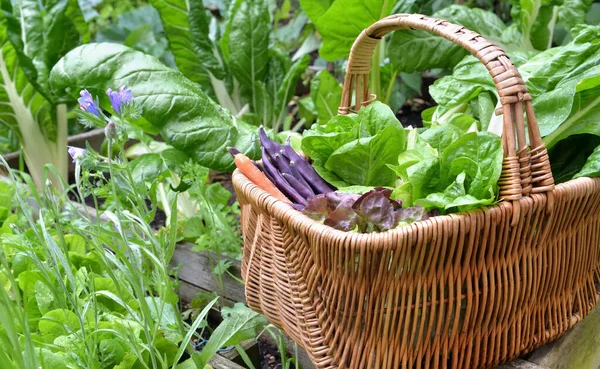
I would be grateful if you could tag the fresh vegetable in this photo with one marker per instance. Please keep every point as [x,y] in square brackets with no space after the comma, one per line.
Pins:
[356,149]
[245,165]
[563,81]
[373,211]
[291,173]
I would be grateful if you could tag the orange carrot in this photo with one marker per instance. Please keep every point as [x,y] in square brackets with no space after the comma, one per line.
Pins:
[246,166]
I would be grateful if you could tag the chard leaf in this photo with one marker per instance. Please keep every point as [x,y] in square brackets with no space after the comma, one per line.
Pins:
[42,33]
[191,57]
[263,101]
[187,119]
[364,161]
[592,165]
[341,22]
[432,51]
[326,94]
[250,27]
[288,86]
[24,109]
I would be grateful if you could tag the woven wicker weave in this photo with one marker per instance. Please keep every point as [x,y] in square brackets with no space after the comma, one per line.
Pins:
[467,290]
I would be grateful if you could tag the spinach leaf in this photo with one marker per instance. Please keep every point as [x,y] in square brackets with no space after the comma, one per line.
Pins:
[187,119]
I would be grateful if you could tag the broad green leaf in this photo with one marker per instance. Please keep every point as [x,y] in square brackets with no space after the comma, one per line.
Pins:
[75,14]
[584,117]
[343,21]
[44,297]
[23,108]
[111,352]
[479,156]
[441,137]
[378,116]
[239,324]
[323,140]
[326,94]
[188,119]
[592,165]
[176,17]
[44,34]
[431,51]
[453,92]
[315,8]
[249,46]
[364,161]
[58,322]
[278,66]
[203,45]
[150,168]
[263,101]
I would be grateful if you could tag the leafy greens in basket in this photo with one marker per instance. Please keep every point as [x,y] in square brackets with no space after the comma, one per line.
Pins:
[443,168]
[564,83]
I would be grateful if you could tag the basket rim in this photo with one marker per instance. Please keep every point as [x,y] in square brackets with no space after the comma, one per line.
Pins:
[298,220]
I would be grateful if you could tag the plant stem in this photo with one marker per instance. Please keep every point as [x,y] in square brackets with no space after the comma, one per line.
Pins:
[375,79]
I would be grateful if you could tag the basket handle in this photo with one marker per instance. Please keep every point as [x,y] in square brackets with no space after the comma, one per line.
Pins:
[525,170]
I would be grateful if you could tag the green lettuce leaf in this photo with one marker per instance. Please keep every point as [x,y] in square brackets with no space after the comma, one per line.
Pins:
[364,161]
[187,119]
[357,149]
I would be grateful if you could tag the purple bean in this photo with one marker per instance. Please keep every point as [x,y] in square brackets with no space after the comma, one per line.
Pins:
[270,146]
[299,177]
[299,187]
[280,182]
[282,163]
[308,172]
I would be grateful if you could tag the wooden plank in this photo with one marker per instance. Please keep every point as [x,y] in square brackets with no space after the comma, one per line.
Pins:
[520,364]
[188,292]
[196,268]
[576,349]
[219,362]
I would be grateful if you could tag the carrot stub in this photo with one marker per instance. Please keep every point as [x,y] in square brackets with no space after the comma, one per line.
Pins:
[247,167]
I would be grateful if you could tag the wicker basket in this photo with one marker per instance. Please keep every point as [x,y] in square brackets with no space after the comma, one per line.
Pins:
[467,290]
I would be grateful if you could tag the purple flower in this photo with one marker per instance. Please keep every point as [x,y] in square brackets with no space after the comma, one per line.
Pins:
[76,153]
[120,98]
[87,103]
